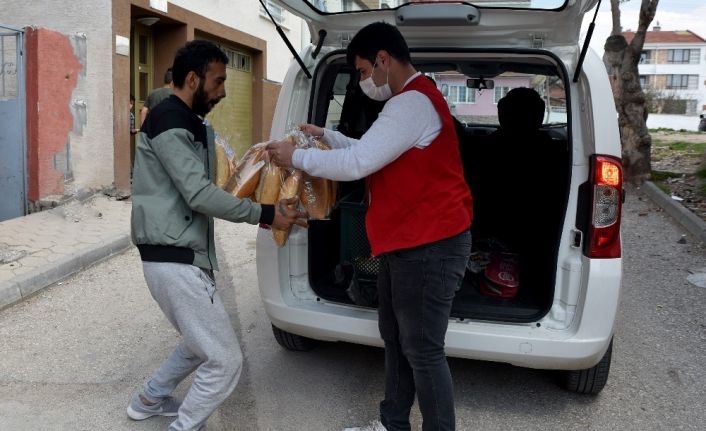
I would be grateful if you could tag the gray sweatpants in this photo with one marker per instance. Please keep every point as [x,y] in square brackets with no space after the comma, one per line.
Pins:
[187,295]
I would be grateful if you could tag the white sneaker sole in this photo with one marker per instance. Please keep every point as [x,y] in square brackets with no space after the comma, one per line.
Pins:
[139,416]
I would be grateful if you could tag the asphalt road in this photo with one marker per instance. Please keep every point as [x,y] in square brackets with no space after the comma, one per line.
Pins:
[72,355]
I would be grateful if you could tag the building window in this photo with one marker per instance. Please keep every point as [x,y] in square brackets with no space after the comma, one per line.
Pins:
[237,60]
[678,56]
[682,82]
[646,57]
[461,94]
[644,81]
[277,11]
[500,92]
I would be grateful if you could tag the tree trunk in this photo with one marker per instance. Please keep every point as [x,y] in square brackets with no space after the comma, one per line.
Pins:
[615,13]
[622,60]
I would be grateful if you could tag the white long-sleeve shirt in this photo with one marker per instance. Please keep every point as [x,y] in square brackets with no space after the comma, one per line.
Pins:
[408,120]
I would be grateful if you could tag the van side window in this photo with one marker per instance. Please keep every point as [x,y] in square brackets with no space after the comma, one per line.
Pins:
[338,95]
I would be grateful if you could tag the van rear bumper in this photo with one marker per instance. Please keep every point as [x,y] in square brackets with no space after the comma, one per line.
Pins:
[521,346]
[533,345]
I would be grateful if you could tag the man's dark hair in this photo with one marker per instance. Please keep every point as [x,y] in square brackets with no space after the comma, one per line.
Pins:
[375,37]
[195,56]
[168,76]
[521,109]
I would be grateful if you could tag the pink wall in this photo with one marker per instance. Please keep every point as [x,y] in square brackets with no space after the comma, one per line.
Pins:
[52,72]
[485,101]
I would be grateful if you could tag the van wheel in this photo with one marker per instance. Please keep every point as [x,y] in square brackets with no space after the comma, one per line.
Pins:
[590,381]
[291,341]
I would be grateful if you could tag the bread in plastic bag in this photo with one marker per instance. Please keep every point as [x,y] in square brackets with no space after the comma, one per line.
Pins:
[245,179]
[291,187]
[270,183]
[224,161]
[318,194]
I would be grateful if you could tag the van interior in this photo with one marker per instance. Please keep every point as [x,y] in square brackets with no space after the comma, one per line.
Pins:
[519,178]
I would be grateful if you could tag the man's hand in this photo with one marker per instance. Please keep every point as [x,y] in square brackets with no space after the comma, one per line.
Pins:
[280,152]
[286,214]
[312,130]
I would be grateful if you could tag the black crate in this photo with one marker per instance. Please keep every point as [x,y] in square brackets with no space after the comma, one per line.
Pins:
[355,247]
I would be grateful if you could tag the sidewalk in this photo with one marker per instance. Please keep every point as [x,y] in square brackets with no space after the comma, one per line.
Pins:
[43,248]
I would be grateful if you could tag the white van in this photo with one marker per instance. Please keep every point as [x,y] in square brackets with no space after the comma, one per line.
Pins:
[564,194]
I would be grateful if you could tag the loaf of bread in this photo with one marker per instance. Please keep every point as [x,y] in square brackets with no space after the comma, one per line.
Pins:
[222,167]
[290,188]
[244,180]
[321,145]
[318,194]
[249,179]
[318,197]
[270,184]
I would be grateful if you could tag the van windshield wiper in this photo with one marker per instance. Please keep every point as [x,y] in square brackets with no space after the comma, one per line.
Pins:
[584,48]
[286,41]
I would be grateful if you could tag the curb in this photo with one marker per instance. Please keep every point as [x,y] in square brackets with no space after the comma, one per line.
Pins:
[690,221]
[22,287]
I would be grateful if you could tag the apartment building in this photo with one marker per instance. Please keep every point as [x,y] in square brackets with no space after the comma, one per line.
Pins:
[673,70]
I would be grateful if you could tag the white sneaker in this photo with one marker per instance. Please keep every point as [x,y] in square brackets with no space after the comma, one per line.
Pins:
[375,425]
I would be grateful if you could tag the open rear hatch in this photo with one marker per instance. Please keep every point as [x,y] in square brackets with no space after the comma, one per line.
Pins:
[541,36]
[428,24]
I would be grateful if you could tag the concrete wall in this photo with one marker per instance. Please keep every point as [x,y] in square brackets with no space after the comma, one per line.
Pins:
[82,24]
[244,15]
[676,122]
[271,93]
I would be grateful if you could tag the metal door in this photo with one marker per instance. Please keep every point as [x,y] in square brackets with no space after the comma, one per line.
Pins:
[143,60]
[13,152]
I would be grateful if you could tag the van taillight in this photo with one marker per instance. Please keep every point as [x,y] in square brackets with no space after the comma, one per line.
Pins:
[604,229]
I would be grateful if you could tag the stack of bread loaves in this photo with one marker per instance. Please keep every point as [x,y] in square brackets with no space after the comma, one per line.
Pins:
[261,180]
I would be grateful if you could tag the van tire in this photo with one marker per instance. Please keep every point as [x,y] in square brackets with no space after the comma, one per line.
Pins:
[293,342]
[592,380]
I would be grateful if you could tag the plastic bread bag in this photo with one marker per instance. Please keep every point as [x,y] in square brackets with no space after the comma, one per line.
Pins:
[272,176]
[291,187]
[318,195]
[298,139]
[245,179]
[224,158]
[271,180]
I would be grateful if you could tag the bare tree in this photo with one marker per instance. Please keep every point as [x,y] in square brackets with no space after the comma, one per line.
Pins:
[621,59]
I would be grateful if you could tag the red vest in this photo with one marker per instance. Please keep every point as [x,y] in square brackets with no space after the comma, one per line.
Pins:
[422,196]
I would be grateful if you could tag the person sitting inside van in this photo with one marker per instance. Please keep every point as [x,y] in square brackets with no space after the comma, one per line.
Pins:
[519,179]
[513,169]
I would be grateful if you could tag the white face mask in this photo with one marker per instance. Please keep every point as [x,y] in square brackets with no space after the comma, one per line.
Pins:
[371,90]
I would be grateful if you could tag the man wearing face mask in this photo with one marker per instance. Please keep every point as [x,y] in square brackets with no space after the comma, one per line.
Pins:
[418,220]
[174,200]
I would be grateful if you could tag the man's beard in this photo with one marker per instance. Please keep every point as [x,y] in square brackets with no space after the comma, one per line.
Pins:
[202,105]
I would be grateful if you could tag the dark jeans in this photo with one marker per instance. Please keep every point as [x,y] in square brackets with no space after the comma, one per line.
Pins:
[416,288]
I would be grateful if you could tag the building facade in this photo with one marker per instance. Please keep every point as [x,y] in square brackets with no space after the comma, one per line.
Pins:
[476,106]
[84,60]
[673,70]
